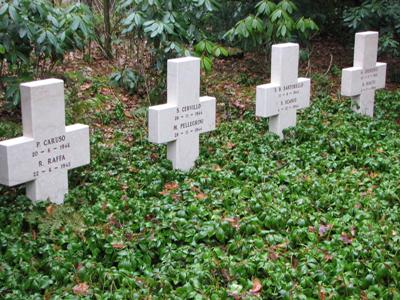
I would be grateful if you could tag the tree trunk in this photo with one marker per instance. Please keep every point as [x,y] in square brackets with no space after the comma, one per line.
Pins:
[107,27]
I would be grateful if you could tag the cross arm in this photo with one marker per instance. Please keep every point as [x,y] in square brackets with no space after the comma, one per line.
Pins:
[351,81]
[356,80]
[16,161]
[161,123]
[381,75]
[208,106]
[77,136]
[168,122]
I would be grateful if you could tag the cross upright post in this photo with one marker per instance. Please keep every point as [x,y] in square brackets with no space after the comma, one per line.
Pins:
[286,93]
[186,115]
[367,75]
[42,157]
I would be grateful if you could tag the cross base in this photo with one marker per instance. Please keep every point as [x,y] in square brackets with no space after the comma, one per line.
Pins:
[53,187]
[184,152]
[280,122]
[364,104]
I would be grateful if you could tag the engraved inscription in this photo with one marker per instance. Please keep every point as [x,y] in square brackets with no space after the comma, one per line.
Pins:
[188,119]
[50,154]
[288,96]
[369,79]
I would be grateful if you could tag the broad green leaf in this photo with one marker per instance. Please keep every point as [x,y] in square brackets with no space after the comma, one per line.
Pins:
[12,12]
[3,9]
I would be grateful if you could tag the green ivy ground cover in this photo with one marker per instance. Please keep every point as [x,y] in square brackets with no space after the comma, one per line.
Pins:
[314,216]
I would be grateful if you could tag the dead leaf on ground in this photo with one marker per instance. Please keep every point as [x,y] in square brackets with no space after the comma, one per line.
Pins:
[50,209]
[201,196]
[176,197]
[78,266]
[81,289]
[233,221]
[238,105]
[230,145]
[322,295]
[86,86]
[168,187]
[118,246]
[195,189]
[346,239]
[272,255]
[373,175]
[281,245]
[106,91]
[217,168]
[226,275]
[328,257]
[364,295]
[324,228]
[257,286]
[295,262]
[353,231]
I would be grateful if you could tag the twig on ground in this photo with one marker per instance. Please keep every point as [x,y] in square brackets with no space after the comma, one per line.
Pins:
[308,67]
[330,65]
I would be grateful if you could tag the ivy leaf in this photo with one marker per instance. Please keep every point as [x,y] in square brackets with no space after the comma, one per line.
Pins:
[220,234]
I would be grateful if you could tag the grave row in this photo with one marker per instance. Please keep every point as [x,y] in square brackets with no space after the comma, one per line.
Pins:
[42,157]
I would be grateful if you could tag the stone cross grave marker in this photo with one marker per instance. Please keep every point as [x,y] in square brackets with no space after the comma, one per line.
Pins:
[186,114]
[42,157]
[286,93]
[367,75]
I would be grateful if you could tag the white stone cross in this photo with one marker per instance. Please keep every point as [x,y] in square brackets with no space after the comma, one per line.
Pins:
[186,115]
[361,81]
[47,149]
[286,93]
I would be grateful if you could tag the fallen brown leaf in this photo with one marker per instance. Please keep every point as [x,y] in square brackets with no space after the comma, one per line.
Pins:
[176,197]
[257,286]
[327,256]
[118,246]
[233,221]
[353,231]
[81,289]
[273,255]
[346,239]
[201,196]
[230,145]
[324,228]
[170,186]
[50,209]
[322,294]
[86,86]
[217,168]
